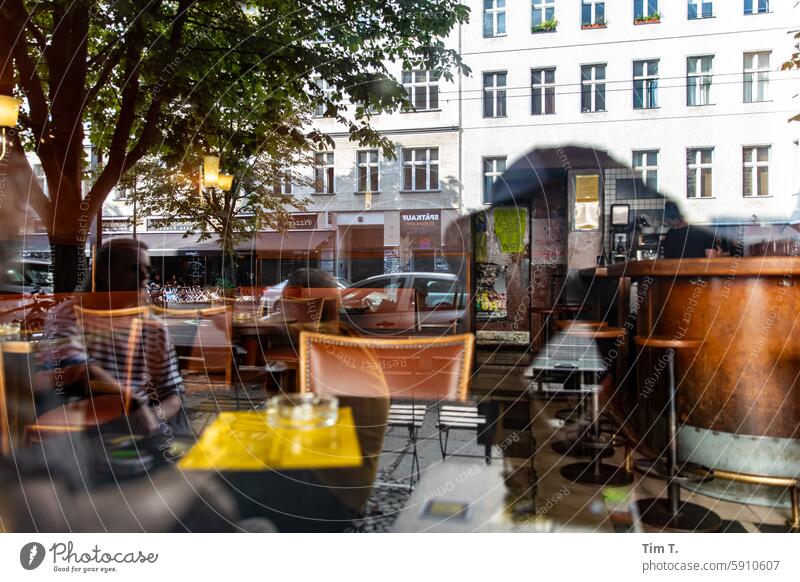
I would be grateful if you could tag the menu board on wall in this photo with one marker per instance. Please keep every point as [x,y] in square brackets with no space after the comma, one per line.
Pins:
[549,240]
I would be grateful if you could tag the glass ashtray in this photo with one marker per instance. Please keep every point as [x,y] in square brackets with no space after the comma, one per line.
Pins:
[302,411]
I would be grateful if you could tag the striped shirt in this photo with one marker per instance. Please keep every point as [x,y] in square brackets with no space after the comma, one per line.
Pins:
[135,349]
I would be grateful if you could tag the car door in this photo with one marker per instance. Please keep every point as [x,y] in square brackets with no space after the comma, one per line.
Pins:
[440,305]
[380,306]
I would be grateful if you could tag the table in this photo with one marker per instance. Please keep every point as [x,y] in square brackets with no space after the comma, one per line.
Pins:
[243,441]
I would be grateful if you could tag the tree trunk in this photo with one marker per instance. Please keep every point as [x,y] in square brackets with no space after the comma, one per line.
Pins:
[71,272]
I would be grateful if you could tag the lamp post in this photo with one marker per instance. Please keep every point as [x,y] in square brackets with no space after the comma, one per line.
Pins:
[9,113]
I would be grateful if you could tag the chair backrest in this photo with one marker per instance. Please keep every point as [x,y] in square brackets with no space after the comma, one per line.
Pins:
[421,368]
[112,337]
[302,310]
[203,338]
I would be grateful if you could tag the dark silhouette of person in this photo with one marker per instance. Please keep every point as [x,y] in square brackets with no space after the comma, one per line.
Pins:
[684,241]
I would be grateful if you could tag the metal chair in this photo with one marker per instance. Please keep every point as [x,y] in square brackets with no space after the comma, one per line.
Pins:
[460,417]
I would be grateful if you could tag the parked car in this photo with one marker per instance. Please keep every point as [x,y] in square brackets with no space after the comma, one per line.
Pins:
[271,295]
[27,276]
[407,304]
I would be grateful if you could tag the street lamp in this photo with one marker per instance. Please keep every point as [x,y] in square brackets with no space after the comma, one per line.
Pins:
[225,182]
[9,112]
[210,170]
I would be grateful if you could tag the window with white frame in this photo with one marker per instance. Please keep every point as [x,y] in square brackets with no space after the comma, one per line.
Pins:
[756,6]
[645,84]
[593,12]
[645,164]
[367,171]
[699,176]
[699,76]
[756,76]
[644,9]
[543,12]
[543,91]
[701,9]
[324,181]
[493,168]
[494,18]
[422,88]
[420,169]
[494,94]
[283,183]
[593,88]
[755,171]
[326,90]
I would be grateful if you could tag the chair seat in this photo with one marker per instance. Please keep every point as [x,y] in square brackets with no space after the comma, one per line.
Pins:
[580,324]
[282,354]
[80,415]
[407,415]
[460,417]
[596,334]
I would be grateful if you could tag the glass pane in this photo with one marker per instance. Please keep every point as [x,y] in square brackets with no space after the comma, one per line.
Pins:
[652,6]
[537,16]
[488,24]
[747,155]
[420,76]
[434,155]
[599,12]
[705,156]
[637,94]
[330,180]
[691,64]
[638,8]
[708,9]
[652,180]
[586,72]
[501,103]
[763,181]
[692,11]
[487,165]
[500,165]
[362,179]
[487,4]
[748,87]
[550,100]
[586,14]
[536,101]
[550,13]
[550,76]
[638,68]
[763,154]
[600,97]
[406,156]
[373,156]
[407,178]
[652,158]
[419,97]
[652,67]
[488,105]
[434,97]
[600,72]
[501,23]
[374,179]
[500,80]
[748,6]
[691,186]
[586,97]
[706,183]
[536,77]
[406,76]
[488,80]
[434,176]
[487,187]
[652,93]
[747,182]
[637,159]
[705,63]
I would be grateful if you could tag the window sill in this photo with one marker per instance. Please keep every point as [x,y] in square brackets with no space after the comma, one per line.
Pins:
[323,193]
[702,105]
[647,108]
[760,101]
[700,18]
[495,116]
[593,26]
[419,110]
[643,21]
[495,35]
[593,111]
[757,13]
[701,197]
[757,197]
[542,114]
[374,192]
[420,191]
[543,30]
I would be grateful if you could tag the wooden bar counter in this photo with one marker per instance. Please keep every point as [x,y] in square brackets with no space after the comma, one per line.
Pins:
[739,394]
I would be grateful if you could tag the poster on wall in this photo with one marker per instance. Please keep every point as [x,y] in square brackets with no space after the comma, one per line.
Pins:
[391,261]
[490,292]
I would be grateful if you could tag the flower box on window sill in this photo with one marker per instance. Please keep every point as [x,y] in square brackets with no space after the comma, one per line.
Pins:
[374,193]
[593,26]
[548,26]
[647,20]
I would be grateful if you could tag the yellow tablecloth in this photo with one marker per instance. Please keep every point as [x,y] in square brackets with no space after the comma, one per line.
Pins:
[243,441]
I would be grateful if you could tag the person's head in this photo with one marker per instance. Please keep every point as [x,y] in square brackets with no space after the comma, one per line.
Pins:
[672,215]
[122,264]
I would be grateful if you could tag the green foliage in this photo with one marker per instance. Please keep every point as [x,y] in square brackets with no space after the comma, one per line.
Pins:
[793,63]
[547,25]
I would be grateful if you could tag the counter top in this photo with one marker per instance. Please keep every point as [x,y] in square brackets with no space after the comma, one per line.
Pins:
[770,266]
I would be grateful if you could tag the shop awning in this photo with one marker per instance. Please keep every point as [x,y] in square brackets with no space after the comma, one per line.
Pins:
[293,241]
[171,244]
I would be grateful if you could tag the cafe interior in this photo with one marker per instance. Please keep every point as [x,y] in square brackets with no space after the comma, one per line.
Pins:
[588,360]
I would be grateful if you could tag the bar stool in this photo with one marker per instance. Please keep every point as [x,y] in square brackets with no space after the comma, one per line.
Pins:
[670,513]
[572,310]
[595,472]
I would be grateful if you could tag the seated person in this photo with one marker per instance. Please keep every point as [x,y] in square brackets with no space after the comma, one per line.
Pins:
[682,240]
[109,351]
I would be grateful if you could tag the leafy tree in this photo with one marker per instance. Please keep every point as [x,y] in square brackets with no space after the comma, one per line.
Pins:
[174,78]
[794,63]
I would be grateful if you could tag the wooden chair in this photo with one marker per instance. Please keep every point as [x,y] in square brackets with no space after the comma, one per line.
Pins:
[119,329]
[203,339]
[407,370]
